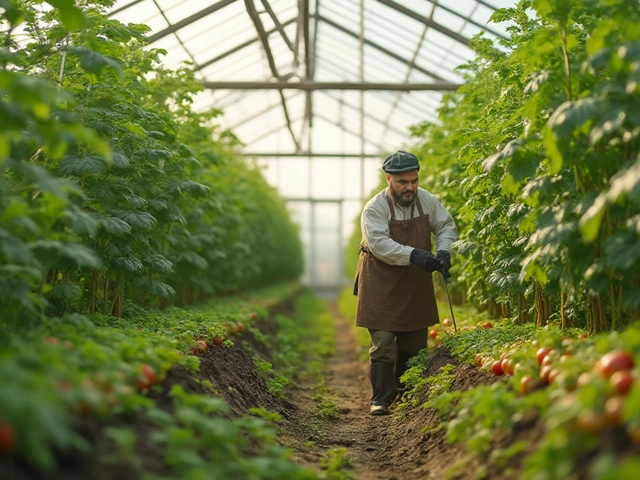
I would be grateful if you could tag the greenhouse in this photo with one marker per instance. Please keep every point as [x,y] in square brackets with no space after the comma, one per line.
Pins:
[319,239]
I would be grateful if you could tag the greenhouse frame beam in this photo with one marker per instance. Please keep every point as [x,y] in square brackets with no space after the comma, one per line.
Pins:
[279,26]
[123,8]
[486,5]
[468,19]
[242,46]
[380,48]
[430,23]
[264,39]
[310,86]
[396,100]
[262,35]
[189,20]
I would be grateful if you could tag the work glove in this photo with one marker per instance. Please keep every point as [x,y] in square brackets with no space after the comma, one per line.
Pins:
[424,260]
[444,258]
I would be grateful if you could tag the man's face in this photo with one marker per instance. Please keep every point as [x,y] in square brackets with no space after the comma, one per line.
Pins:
[403,186]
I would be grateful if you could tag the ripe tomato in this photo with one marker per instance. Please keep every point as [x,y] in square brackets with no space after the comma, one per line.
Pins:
[253,315]
[547,360]
[446,322]
[614,361]
[202,345]
[526,384]
[553,374]
[239,327]
[217,340]
[507,366]
[545,372]
[621,381]
[487,325]
[433,333]
[541,353]
[496,368]
[147,377]
[7,437]
[52,340]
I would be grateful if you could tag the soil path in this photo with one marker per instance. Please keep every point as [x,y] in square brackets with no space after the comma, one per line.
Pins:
[364,436]
[393,447]
[348,378]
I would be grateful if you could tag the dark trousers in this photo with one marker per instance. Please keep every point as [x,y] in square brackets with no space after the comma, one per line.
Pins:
[389,354]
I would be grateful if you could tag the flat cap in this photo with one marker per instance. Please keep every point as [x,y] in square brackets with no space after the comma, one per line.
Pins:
[400,162]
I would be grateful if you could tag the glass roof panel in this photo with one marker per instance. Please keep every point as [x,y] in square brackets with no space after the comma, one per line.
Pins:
[399,49]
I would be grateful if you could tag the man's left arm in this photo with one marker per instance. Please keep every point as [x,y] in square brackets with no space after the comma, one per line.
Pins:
[444,229]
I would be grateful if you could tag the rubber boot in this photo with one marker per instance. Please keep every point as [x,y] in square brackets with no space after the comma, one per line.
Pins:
[402,358]
[382,383]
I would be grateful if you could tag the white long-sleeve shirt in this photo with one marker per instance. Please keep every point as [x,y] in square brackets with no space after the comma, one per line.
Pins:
[375,220]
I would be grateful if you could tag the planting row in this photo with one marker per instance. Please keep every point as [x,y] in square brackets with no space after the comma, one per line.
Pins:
[114,192]
[582,391]
[144,381]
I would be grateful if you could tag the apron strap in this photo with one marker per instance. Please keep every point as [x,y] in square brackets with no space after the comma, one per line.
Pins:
[419,205]
[390,202]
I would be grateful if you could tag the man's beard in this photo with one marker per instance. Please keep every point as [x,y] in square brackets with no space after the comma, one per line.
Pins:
[405,202]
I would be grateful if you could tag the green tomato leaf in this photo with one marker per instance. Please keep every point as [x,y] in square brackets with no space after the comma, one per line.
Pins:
[70,15]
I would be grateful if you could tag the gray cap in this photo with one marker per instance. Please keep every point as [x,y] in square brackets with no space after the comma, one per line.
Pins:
[400,162]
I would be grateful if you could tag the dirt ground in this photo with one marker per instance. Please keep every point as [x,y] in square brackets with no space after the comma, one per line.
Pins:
[390,447]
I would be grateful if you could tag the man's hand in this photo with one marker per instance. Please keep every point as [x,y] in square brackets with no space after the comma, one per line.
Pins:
[424,260]
[444,258]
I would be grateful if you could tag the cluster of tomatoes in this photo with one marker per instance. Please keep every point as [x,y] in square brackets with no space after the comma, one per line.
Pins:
[230,329]
[613,374]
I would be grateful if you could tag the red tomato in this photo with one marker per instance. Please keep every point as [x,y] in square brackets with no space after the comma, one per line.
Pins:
[507,366]
[621,381]
[526,384]
[217,340]
[52,340]
[253,315]
[547,360]
[147,378]
[487,325]
[614,361]
[203,345]
[542,352]
[433,333]
[545,372]
[7,437]
[496,368]
[553,374]
[239,327]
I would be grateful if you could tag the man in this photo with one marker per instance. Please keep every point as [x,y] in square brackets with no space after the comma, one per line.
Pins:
[396,301]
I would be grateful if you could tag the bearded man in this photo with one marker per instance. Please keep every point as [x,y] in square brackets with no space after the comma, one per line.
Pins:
[396,300]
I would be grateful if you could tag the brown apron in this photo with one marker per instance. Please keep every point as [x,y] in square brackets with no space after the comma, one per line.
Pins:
[392,297]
